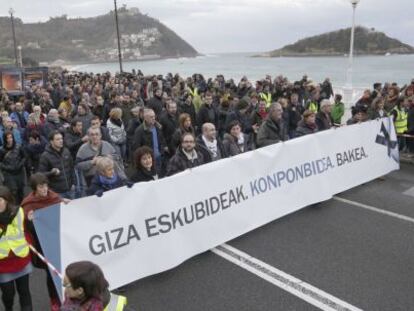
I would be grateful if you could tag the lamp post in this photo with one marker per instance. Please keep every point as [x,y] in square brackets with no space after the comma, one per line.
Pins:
[19,48]
[119,41]
[11,12]
[354,4]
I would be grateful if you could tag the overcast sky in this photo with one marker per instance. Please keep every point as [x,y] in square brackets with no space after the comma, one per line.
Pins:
[213,26]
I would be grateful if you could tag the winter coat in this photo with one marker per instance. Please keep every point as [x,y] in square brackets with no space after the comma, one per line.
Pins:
[33,153]
[73,141]
[12,160]
[206,153]
[271,133]
[156,104]
[179,162]
[116,133]
[143,137]
[231,147]
[142,175]
[169,125]
[61,160]
[207,114]
[100,184]
[324,121]
[245,121]
[304,129]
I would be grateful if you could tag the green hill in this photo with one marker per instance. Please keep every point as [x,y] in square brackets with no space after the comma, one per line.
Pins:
[367,42]
[93,39]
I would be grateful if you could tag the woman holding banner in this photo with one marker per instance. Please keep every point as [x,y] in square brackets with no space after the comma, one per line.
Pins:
[15,264]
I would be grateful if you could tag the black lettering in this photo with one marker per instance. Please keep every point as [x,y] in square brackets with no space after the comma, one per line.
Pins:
[217,207]
[108,240]
[163,220]
[132,234]
[98,248]
[199,210]
[223,200]
[240,194]
[118,237]
[149,227]
[253,188]
[232,198]
[176,218]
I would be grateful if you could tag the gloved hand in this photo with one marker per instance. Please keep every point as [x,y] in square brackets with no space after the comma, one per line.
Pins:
[129,184]
[99,193]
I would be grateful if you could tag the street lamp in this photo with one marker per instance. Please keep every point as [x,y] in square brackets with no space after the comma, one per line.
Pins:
[117,34]
[11,12]
[354,4]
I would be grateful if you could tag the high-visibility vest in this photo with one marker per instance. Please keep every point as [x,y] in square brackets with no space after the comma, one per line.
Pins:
[14,240]
[267,98]
[313,107]
[194,92]
[117,303]
[401,122]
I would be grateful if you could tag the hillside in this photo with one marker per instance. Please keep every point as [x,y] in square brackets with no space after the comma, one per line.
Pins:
[367,42]
[93,39]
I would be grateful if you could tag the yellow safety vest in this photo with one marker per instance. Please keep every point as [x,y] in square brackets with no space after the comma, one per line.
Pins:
[117,303]
[14,239]
[313,107]
[401,122]
[267,98]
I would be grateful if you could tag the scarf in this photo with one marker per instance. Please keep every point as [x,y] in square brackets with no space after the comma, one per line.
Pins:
[33,202]
[110,181]
[191,156]
[211,146]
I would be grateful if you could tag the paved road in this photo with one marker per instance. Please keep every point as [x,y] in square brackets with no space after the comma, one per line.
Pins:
[360,256]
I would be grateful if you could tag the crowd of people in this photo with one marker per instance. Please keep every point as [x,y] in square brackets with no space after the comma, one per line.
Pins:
[83,134]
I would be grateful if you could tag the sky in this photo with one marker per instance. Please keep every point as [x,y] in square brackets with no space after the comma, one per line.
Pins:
[221,26]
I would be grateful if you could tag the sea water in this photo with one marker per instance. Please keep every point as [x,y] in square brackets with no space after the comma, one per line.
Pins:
[366,69]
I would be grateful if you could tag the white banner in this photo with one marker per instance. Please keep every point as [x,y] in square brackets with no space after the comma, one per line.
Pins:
[155,226]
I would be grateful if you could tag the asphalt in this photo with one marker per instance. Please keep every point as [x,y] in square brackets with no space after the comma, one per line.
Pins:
[362,257]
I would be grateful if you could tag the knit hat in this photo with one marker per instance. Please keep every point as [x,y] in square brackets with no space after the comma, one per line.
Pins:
[243,103]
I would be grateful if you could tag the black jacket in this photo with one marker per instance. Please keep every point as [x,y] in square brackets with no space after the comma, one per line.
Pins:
[206,153]
[61,160]
[143,137]
[207,114]
[156,104]
[324,121]
[73,141]
[179,162]
[12,160]
[169,125]
[303,129]
[142,175]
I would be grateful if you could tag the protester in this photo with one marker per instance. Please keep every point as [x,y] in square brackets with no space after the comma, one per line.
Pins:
[74,137]
[33,150]
[144,165]
[273,129]
[41,197]
[12,165]
[185,125]
[187,156]
[117,131]
[106,178]
[89,153]
[338,110]
[235,141]
[307,125]
[57,164]
[209,144]
[15,264]
[323,117]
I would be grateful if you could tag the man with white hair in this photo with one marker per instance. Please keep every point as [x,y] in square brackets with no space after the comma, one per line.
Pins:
[323,117]
[273,129]
[53,122]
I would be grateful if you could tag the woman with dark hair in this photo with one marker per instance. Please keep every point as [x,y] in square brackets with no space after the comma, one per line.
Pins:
[15,264]
[184,126]
[41,197]
[235,141]
[12,161]
[86,288]
[144,165]
[378,110]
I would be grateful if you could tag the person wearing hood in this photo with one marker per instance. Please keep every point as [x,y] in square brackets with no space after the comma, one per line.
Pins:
[57,164]
[307,125]
[12,161]
[235,141]
[15,263]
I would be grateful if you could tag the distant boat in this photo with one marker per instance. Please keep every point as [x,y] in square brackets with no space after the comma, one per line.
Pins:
[388,54]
